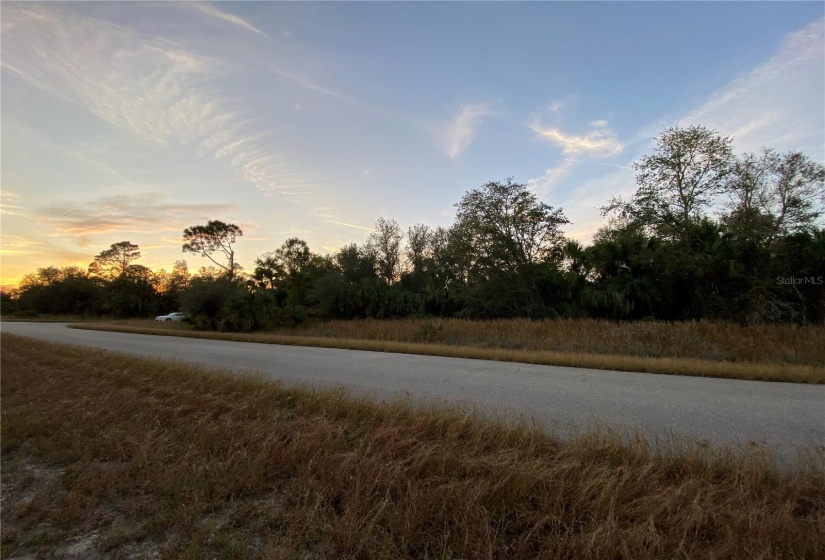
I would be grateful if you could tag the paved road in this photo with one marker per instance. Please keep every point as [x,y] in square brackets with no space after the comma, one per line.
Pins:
[723,411]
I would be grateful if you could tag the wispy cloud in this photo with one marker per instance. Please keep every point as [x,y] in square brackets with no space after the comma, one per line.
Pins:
[211,11]
[461,130]
[81,154]
[350,225]
[145,213]
[312,86]
[599,142]
[12,245]
[20,251]
[554,106]
[10,203]
[583,203]
[553,177]
[149,85]
[778,103]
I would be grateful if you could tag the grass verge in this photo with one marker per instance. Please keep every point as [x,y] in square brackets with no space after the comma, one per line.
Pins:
[811,370]
[107,454]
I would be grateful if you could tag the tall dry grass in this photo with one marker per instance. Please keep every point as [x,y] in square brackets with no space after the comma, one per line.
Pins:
[790,344]
[126,456]
[788,353]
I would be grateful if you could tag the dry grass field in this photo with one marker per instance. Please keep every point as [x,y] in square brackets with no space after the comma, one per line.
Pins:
[112,455]
[700,340]
[772,352]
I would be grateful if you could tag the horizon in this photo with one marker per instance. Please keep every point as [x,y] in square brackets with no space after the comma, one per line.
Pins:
[134,121]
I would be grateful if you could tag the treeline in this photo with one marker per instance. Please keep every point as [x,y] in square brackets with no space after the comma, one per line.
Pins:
[707,235]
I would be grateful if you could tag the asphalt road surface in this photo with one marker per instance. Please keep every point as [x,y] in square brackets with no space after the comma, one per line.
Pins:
[785,416]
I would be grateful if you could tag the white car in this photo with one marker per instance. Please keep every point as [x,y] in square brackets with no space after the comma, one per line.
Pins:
[176,316]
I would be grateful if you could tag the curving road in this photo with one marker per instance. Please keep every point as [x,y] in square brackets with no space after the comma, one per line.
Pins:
[785,416]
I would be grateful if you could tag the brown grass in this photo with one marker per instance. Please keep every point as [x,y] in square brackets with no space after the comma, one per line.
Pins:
[123,456]
[767,353]
[652,339]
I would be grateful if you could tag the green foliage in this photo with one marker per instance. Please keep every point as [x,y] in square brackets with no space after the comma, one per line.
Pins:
[356,263]
[66,291]
[128,297]
[504,240]
[289,272]
[618,270]
[170,286]
[680,179]
[385,244]
[504,226]
[705,236]
[248,310]
[206,300]
[367,298]
[8,303]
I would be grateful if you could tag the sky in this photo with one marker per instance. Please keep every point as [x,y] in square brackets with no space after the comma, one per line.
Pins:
[130,121]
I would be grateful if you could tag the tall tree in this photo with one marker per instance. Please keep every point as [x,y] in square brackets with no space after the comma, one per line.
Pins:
[502,241]
[746,219]
[214,237]
[269,272]
[683,176]
[418,245]
[43,277]
[356,263]
[179,278]
[115,261]
[773,193]
[386,242]
[171,285]
[506,227]
[797,191]
[286,269]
